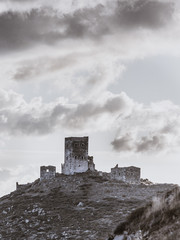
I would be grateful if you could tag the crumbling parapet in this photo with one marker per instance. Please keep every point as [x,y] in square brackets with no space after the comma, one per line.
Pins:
[47,172]
[20,186]
[126,174]
[91,165]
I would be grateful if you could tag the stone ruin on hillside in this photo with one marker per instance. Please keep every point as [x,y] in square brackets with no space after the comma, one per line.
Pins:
[20,186]
[126,174]
[47,172]
[76,160]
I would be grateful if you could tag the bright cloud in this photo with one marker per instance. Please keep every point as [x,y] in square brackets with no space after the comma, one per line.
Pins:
[153,128]
[139,128]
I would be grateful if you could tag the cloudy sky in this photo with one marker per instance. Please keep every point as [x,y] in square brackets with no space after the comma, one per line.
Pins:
[104,69]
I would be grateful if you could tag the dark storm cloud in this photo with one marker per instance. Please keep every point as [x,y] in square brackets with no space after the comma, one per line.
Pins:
[122,144]
[18,31]
[145,144]
[84,113]
[47,26]
[143,13]
[155,143]
[22,30]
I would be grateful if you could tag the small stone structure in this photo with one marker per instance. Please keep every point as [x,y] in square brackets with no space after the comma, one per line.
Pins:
[76,159]
[47,172]
[20,186]
[126,174]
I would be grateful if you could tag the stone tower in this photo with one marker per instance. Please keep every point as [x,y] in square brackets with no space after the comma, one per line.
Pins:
[76,158]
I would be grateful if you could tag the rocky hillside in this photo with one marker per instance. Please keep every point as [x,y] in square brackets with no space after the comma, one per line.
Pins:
[160,219]
[84,206]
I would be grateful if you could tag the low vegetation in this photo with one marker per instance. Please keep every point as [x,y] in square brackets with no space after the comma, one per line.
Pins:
[83,206]
[159,219]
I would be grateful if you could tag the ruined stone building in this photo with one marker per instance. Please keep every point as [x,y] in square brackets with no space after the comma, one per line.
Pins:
[76,159]
[126,174]
[20,186]
[47,172]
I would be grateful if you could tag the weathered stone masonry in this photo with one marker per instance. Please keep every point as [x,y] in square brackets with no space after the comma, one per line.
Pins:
[76,160]
[126,174]
[47,172]
[76,156]
[20,186]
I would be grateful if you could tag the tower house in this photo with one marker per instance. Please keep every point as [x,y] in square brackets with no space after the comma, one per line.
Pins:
[76,158]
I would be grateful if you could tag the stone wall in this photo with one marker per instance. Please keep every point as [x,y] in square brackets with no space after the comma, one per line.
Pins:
[126,174]
[20,186]
[47,172]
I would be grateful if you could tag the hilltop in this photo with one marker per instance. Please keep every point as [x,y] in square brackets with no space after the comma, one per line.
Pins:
[80,206]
